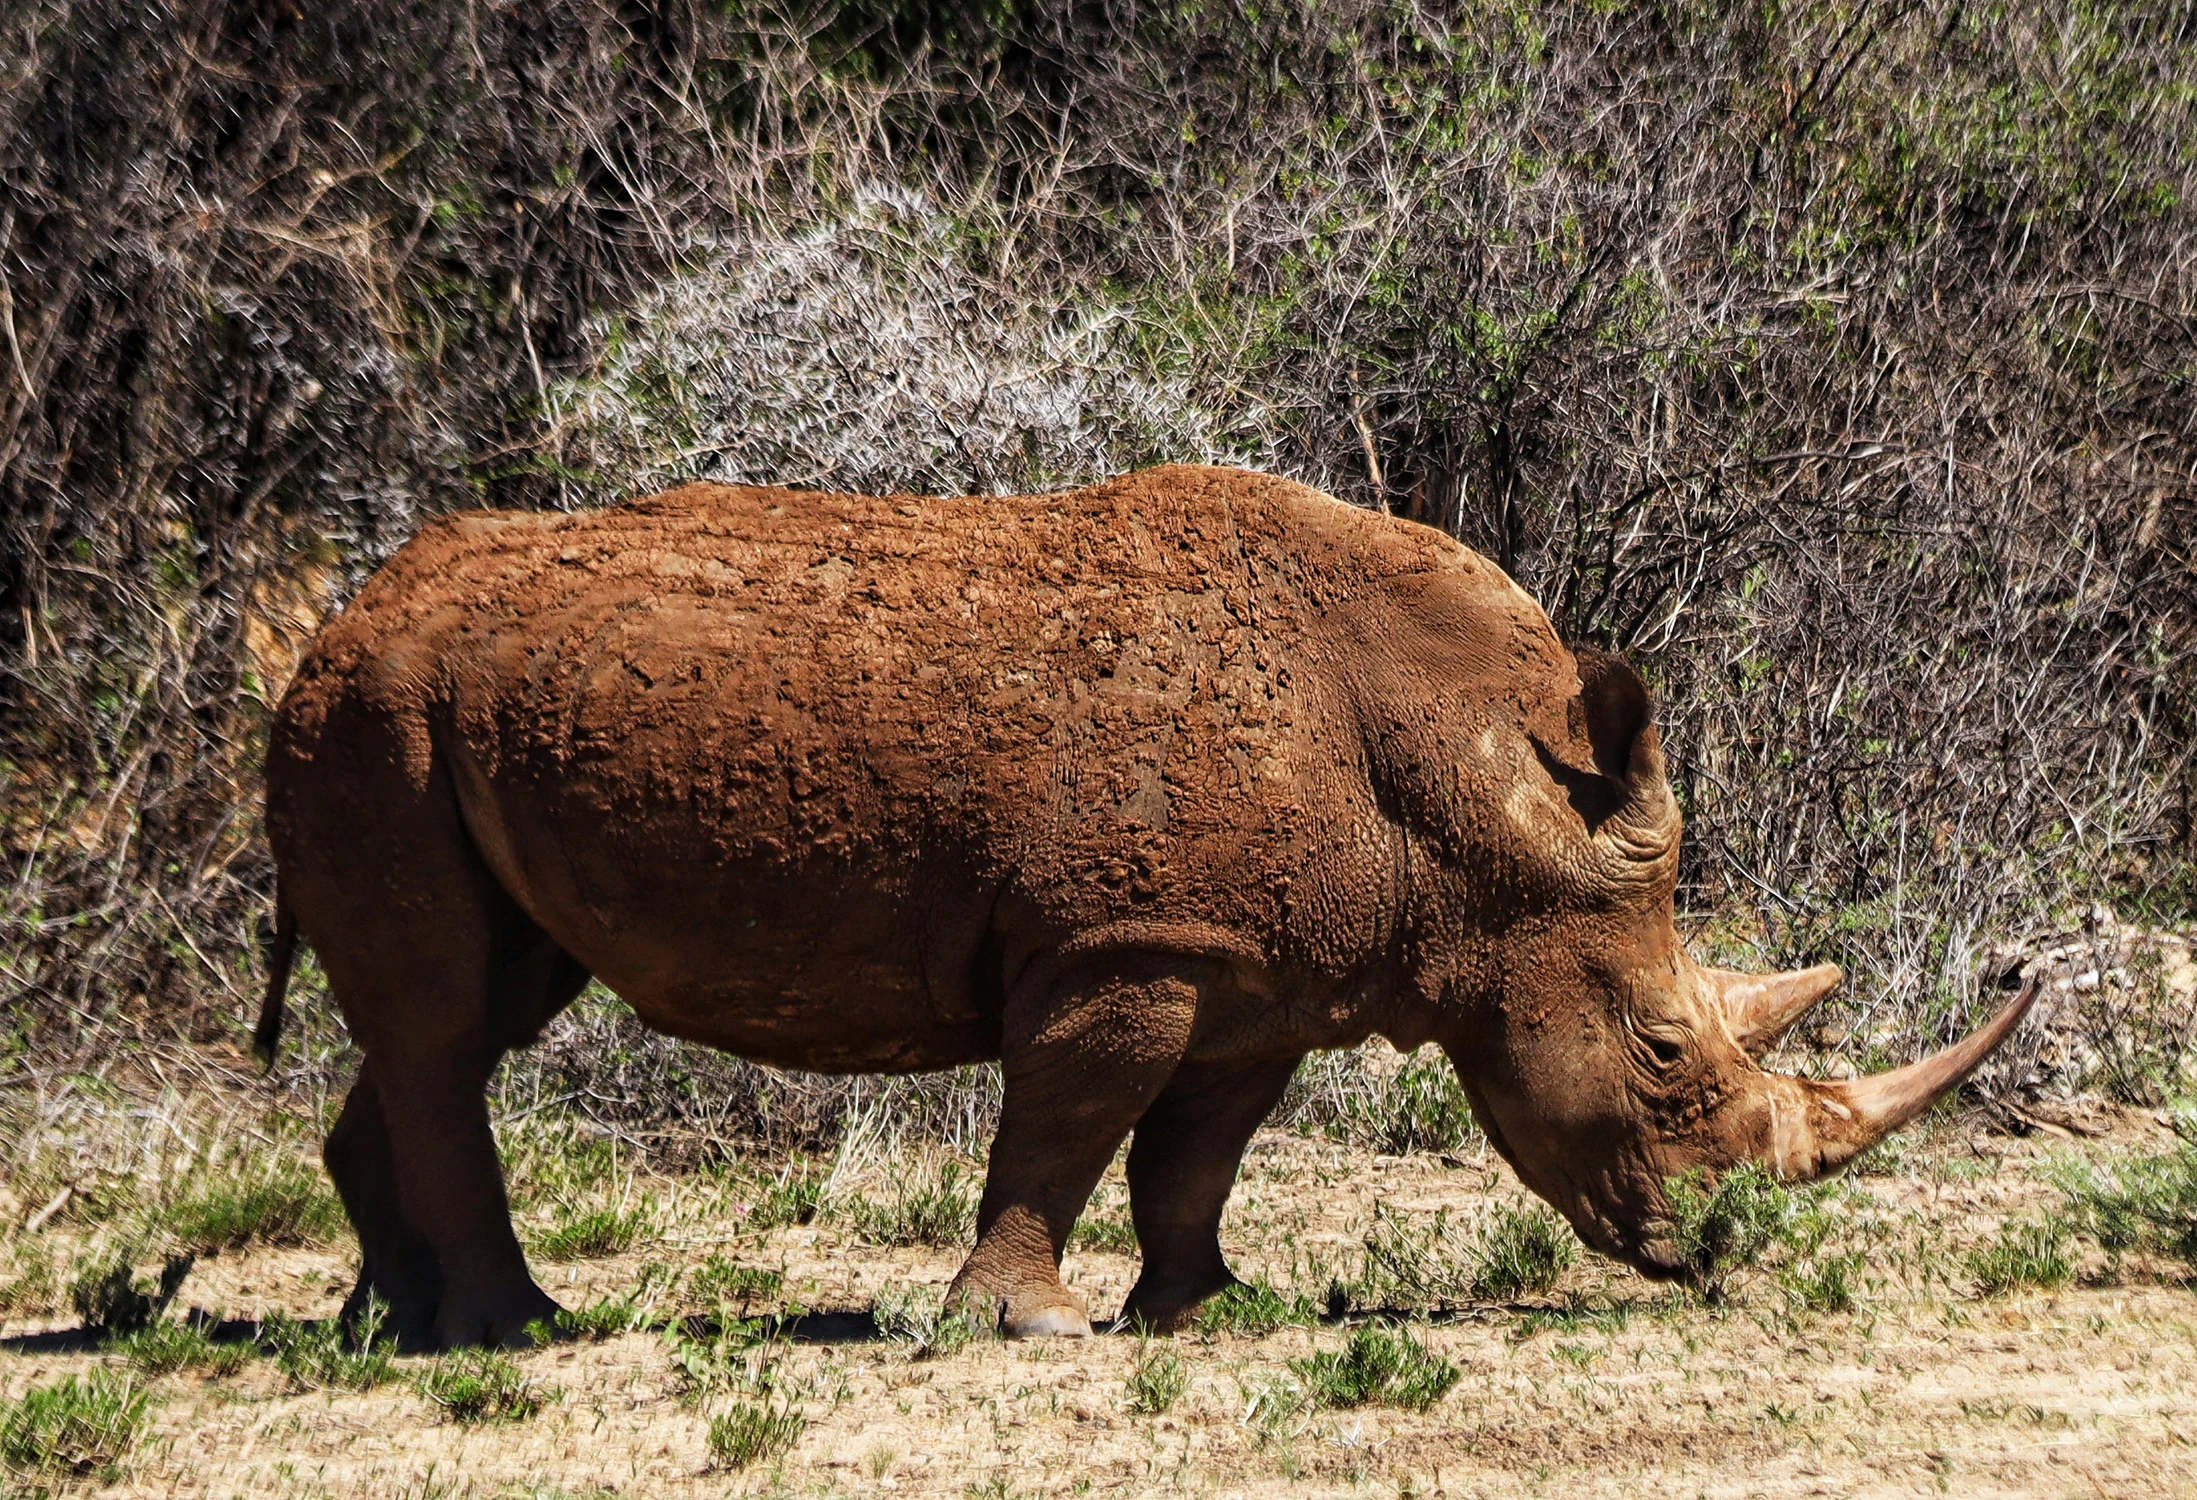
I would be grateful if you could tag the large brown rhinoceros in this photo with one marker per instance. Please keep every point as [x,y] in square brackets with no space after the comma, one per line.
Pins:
[1146,790]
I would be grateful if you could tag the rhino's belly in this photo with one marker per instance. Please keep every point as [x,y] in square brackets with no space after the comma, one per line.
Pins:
[819,959]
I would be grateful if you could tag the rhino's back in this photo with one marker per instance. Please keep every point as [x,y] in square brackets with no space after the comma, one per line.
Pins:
[742,747]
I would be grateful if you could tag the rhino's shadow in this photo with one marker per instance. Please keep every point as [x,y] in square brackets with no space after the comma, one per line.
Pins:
[808,1328]
[84,1340]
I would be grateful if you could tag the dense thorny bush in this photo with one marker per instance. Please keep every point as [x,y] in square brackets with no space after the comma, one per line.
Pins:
[1832,361]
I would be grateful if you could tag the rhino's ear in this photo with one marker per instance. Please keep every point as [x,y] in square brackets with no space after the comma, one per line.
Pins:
[1612,711]
[1625,801]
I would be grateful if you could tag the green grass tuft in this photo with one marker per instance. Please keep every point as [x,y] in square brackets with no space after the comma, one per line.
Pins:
[78,1427]
[753,1433]
[1253,1310]
[2027,1253]
[2137,1203]
[481,1386]
[918,1317]
[1157,1378]
[322,1357]
[1378,1367]
[794,1196]
[736,1289]
[593,1236]
[1522,1252]
[604,1318]
[1111,1233]
[938,1210]
[1824,1282]
[1418,1108]
[167,1346]
[731,1355]
[291,1206]
[1416,1261]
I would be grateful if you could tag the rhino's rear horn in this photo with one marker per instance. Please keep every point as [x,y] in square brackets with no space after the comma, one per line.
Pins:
[1760,1008]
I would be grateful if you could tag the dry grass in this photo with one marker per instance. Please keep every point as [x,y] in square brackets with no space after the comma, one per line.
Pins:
[1597,1383]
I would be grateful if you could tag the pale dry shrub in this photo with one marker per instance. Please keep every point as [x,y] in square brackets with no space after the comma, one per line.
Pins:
[883,350]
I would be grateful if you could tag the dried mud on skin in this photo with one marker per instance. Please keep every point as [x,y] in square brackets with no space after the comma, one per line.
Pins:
[2090,1390]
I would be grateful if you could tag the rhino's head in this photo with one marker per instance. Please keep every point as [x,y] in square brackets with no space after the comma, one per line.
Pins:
[1601,1059]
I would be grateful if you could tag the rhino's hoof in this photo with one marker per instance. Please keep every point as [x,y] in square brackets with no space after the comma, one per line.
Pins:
[1052,1322]
[504,1319]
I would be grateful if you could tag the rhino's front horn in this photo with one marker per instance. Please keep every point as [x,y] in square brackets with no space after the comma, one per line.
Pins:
[1844,1119]
[1760,1008]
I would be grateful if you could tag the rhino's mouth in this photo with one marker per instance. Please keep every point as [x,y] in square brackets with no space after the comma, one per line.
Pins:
[1658,1259]
[1651,1250]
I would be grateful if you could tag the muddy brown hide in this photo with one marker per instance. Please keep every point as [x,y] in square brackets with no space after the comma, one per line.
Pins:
[1147,790]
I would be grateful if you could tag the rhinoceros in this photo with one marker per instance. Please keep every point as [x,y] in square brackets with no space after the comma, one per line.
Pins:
[1144,790]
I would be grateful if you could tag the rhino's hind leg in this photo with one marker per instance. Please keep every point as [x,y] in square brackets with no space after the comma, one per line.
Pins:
[1080,1066]
[1182,1166]
[396,1264]
[438,972]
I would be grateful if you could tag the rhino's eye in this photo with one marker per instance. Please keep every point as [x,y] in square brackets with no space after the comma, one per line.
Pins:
[1664,1041]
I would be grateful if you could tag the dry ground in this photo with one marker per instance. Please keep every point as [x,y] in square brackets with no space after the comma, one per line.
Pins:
[1615,1388]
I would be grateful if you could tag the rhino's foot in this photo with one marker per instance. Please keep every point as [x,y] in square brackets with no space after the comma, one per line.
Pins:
[1164,1304]
[396,1298]
[499,1318]
[1030,1317]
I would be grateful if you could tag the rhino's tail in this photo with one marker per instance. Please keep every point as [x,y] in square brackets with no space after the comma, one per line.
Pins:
[269,1030]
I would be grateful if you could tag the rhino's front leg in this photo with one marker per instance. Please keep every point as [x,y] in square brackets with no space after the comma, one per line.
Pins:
[1188,1147]
[1081,1063]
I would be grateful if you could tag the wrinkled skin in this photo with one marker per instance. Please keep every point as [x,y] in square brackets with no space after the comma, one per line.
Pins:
[1145,790]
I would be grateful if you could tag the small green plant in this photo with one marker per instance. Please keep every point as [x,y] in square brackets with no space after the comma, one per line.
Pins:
[290,1206]
[319,1356]
[1253,1310]
[794,1196]
[1510,1253]
[1413,1261]
[604,1318]
[918,1317]
[925,1210]
[1521,1252]
[1112,1233]
[1725,1228]
[1157,1378]
[731,1288]
[751,1433]
[1419,1107]
[2026,1253]
[111,1300]
[1272,1407]
[1378,1367]
[166,1346]
[80,1426]
[734,1354]
[481,1386]
[2137,1203]
[1824,1282]
[592,1236]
